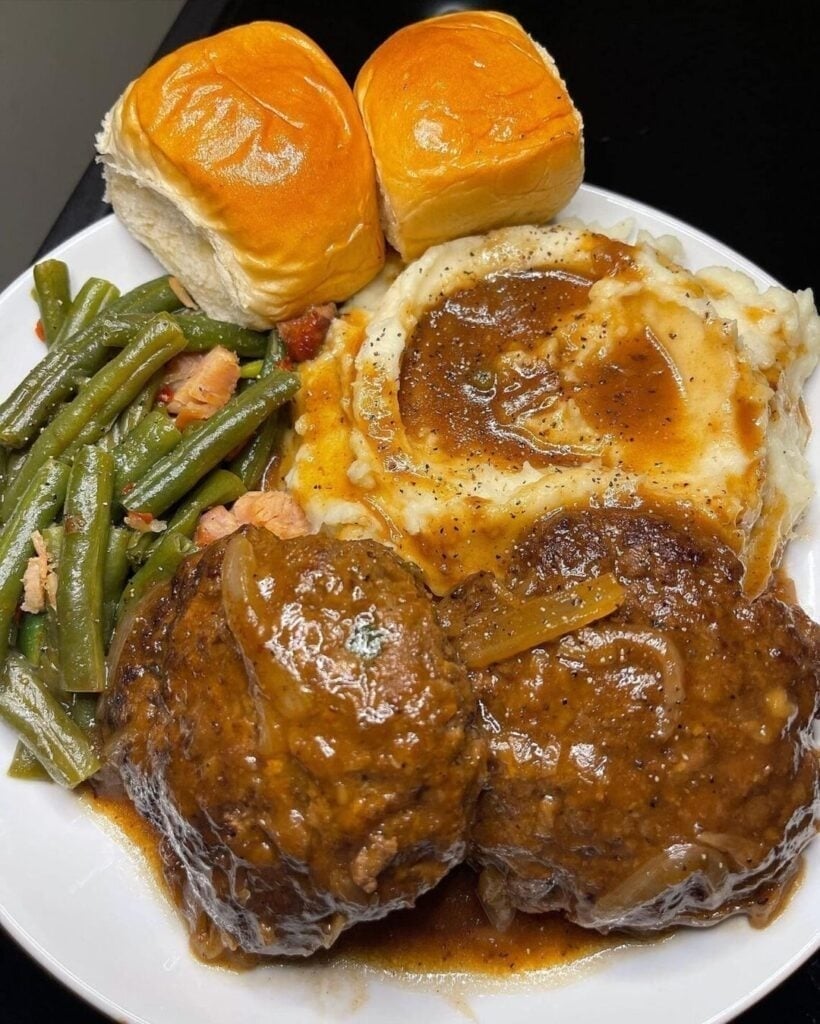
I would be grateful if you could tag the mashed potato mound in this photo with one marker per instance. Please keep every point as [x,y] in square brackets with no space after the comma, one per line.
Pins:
[502,377]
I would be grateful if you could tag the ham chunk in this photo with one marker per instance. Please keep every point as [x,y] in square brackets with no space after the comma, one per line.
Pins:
[275,511]
[39,579]
[214,524]
[303,336]
[199,384]
[144,522]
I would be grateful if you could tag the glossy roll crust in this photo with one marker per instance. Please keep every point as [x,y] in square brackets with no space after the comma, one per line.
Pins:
[241,162]
[471,127]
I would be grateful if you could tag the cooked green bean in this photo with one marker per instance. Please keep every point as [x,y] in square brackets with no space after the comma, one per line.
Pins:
[49,668]
[83,711]
[38,506]
[202,334]
[162,564]
[116,572]
[139,547]
[138,409]
[53,539]
[62,370]
[156,296]
[24,765]
[44,725]
[56,377]
[14,461]
[30,636]
[53,296]
[82,568]
[105,395]
[94,296]
[254,459]
[4,463]
[154,437]
[203,448]
[252,369]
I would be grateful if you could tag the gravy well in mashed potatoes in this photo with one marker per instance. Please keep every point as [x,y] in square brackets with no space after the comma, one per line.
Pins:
[508,375]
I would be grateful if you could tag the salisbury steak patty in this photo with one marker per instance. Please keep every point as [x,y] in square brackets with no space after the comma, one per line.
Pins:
[290,718]
[654,768]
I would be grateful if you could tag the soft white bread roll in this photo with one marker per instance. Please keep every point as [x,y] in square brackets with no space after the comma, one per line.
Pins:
[471,127]
[241,162]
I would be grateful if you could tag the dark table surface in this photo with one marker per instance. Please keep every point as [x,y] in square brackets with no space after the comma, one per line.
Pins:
[705,110]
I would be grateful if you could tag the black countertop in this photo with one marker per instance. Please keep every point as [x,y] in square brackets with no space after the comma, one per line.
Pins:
[705,110]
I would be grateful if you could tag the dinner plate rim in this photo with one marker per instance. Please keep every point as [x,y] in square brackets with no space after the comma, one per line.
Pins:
[108,1005]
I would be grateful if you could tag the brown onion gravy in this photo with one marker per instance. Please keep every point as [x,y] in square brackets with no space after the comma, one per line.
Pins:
[446,932]
[459,396]
[488,367]
[454,388]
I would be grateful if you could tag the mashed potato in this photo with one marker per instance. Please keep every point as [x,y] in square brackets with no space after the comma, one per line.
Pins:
[502,377]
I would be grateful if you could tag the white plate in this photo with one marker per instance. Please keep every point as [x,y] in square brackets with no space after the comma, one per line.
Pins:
[81,901]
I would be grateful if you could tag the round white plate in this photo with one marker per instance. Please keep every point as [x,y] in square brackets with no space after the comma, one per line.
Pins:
[79,898]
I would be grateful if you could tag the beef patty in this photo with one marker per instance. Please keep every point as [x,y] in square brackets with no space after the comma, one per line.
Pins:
[654,768]
[291,719]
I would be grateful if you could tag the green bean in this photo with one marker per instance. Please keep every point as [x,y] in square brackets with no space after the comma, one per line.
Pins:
[24,765]
[106,394]
[251,463]
[53,539]
[202,449]
[139,547]
[254,459]
[155,296]
[94,296]
[252,369]
[166,557]
[44,725]
[275,353]
[4,463]
[38,506]
[154,437]
[14,461]
[82,568]
[49,667]
[60,373]
[56,377]
[53,296]
[116,573]
[136,412]
[49,663]
[83,711]
[31,635]
[202,334]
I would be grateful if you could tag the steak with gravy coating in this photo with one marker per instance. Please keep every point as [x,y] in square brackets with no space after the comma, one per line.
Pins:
[654,768]
[291,719]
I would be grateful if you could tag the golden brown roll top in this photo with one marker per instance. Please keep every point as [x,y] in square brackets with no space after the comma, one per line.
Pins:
[241,162]
[471,127]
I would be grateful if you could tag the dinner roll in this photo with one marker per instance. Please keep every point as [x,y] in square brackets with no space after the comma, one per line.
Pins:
[241,162]
[471,127]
